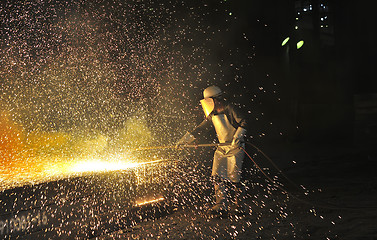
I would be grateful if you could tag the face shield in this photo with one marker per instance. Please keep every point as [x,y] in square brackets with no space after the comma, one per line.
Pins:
[208,105]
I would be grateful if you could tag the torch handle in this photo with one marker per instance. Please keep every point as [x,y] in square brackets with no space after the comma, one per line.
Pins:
[205,145]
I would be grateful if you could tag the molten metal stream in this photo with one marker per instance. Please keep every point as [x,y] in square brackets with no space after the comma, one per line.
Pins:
[33,171]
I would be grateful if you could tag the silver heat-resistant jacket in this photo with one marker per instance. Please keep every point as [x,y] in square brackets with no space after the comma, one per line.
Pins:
[225,122]
[229,124]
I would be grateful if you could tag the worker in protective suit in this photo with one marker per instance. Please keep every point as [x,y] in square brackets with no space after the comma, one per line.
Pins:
[230,128]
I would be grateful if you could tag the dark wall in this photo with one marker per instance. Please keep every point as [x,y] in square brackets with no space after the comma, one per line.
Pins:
[356,53]
[317,83]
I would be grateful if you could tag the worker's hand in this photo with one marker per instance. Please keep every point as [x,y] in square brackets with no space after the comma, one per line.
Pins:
[238,138]
[186,139]
[178,146]
[236,143]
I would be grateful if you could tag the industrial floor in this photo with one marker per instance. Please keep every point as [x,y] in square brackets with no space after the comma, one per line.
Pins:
[340,202]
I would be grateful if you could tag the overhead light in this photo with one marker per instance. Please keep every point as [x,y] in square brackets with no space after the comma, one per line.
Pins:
[285,41]
[299,44]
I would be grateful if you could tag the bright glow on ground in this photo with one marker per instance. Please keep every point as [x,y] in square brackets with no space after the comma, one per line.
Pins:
[38,170]
[99,166]
[90,164]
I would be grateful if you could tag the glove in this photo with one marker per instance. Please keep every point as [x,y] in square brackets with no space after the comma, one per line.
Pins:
[186,139]
[238,137]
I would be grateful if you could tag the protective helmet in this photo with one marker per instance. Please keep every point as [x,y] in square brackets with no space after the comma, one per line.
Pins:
[208,103]
[211,92]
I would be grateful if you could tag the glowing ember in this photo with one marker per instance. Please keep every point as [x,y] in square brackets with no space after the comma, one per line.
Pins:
[150,201]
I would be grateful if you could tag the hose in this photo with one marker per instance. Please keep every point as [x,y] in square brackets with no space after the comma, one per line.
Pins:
[324,205]
[273,164]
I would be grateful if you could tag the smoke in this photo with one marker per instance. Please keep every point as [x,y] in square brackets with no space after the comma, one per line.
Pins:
[92,77]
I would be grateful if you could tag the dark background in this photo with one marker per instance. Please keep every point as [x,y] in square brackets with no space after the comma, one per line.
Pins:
[328,86]
[323,93]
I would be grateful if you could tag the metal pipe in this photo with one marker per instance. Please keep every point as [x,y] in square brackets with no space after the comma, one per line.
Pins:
[182,146]
[206,145]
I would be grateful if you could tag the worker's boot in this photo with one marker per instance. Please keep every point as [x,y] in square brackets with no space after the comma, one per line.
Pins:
[240,206]
[221,205]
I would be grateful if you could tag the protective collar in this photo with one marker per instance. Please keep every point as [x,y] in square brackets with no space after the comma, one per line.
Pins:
[208,105]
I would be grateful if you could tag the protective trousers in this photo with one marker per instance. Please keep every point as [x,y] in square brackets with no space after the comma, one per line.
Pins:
[220,197]
[227,168]
[227,165]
